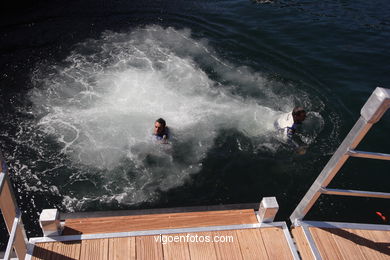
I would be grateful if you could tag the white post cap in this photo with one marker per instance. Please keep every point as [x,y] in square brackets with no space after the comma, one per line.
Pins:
[49,220]
[267,210]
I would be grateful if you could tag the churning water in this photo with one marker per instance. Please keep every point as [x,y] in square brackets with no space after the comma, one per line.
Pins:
[99,106]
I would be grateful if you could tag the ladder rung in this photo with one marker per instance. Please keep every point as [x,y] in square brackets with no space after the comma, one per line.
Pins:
[357,193]
[370,155]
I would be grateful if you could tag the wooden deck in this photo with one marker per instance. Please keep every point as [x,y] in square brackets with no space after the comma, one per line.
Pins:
[256,243]
[263,243]
[249,242]
[343,243]
[159,221]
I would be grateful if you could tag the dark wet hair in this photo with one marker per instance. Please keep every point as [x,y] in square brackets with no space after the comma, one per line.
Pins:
[298,110]
[161,121]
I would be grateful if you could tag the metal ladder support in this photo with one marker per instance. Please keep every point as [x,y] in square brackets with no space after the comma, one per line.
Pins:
[372,111]
[356,193]
[369,155]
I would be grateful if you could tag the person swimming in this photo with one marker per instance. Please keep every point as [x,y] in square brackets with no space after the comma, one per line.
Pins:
[161,131]
[288,124]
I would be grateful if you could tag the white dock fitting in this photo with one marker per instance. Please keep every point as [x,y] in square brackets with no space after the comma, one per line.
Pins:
[49,220]
[267,210]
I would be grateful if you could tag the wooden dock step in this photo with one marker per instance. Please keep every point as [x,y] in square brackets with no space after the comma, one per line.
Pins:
[244,244]
[158,221]
[344,243]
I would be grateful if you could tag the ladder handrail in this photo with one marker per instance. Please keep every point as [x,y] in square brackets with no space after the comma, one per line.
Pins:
[372,111]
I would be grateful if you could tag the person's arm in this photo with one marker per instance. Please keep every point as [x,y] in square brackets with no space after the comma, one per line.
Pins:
[290,133]
[295,140]
[165,136]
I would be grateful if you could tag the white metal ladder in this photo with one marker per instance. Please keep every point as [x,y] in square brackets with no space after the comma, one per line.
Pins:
[371,113]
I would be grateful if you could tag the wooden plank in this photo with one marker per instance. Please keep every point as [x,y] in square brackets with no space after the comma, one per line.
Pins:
[42,251]
[347,247]
[325,243]
[367,244]
[229,249]
[302,243]
[212,218]
[114,224]
[382,240]
[203,250]
[176,250]
[20,242]
[94,249]
[7,205]
[148,248]
[121,248]
[66,250]
[158,221]
[384,234]
[251,244]
[8,210]
[275,243]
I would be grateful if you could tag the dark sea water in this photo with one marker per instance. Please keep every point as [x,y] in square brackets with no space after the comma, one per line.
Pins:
[82,82]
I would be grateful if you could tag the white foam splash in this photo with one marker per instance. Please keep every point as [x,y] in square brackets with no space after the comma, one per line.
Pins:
[102,101]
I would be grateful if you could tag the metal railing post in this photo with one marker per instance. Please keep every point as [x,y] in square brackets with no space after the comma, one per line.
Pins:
[372,111]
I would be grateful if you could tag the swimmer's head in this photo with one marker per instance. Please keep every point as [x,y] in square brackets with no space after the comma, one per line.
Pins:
[299,114]
[159,126]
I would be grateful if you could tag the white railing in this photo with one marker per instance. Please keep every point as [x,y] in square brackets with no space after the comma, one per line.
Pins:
[12,216]
[371,113]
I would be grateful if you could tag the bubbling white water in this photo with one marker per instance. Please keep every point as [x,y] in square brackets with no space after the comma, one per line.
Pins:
[102,101]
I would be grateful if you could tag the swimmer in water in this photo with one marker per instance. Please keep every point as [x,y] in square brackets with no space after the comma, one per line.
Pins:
[161,131]
[289,124]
